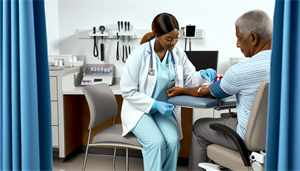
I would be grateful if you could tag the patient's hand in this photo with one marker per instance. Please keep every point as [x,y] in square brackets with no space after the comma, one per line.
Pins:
[174,91]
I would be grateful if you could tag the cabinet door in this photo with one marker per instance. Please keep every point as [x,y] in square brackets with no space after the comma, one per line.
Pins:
[55,136]
[53,88]
[54,115]
[202,113]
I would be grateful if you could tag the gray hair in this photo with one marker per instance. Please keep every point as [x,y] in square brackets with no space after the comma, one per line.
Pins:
[256,21]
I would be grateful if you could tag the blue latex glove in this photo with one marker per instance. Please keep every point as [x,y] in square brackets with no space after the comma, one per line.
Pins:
[209,74]
[164,108]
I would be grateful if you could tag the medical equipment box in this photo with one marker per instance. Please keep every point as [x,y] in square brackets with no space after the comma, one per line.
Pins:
[98,73]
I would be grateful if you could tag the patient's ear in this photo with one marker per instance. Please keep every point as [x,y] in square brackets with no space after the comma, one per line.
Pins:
[254,38]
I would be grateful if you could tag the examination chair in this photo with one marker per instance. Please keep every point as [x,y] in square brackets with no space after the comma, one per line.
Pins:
[103,106]
[255,136]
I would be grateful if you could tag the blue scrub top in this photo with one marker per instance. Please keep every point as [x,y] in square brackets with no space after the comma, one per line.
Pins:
[162,83]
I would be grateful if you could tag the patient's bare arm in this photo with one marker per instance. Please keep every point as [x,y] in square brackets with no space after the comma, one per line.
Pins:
[204,91]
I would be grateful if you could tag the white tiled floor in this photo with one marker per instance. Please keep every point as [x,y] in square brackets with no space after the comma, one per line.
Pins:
[97,162]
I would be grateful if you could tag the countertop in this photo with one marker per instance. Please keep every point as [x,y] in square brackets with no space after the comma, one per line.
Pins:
[64,71]
[78,90]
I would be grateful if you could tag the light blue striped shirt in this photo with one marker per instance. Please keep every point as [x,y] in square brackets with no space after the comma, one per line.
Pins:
[243,80]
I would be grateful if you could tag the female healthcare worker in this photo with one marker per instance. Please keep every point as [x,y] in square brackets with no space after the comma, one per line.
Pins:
[151,69]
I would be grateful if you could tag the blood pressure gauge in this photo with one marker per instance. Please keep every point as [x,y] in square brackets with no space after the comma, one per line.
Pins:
[102,29]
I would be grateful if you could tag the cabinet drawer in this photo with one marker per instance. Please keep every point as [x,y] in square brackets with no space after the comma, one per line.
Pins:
[55,136]
[54,115]
[53,88]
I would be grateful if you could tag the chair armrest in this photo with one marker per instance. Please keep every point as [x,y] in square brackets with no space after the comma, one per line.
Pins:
[236,139]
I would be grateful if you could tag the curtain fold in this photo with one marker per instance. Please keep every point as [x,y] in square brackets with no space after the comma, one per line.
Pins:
[15,93]
[1,87]
[283,130]
[6,84]
[25,120]
[45,127]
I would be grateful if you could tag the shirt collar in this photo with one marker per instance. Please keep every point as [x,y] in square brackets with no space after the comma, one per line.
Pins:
[260,53]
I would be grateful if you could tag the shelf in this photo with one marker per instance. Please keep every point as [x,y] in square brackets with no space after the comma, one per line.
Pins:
[98,34]
[134,34]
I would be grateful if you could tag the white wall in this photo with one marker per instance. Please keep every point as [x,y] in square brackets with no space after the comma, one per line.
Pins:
[51,10]
[215,17]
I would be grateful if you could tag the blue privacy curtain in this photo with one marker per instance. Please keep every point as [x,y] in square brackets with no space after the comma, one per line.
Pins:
[283,130]
[25,120]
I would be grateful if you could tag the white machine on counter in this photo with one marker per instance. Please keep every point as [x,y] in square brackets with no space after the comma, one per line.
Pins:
[98,73]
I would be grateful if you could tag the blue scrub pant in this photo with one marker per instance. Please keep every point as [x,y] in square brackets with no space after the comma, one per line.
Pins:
[159,136]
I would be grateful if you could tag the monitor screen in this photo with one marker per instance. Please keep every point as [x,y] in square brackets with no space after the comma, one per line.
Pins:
[190,31]
[203,59]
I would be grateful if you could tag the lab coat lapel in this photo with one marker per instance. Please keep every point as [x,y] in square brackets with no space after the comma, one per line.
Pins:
[179,82]
[151,79]
[178,68]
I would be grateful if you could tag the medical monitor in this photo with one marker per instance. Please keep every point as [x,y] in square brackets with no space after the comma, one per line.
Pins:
[203,59]
[190,31]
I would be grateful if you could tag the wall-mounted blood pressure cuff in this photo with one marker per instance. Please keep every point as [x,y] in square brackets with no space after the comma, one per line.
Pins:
[216,90]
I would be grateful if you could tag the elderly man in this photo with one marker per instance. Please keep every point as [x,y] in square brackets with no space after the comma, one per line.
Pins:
[254,33]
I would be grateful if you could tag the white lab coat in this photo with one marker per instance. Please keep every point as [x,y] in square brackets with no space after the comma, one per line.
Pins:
[137,85]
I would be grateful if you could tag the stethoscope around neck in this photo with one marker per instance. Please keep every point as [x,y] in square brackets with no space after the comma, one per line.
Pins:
[152,71]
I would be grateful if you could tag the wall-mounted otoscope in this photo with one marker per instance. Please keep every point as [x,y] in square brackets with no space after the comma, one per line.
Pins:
[95,43]
[129,50]
[123,52]
[126,54]
[124,33]
[102,30]
[118,40]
